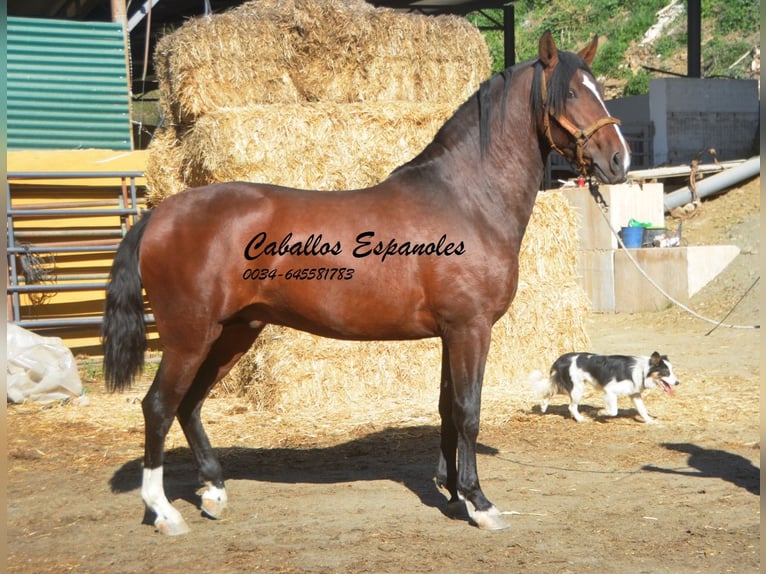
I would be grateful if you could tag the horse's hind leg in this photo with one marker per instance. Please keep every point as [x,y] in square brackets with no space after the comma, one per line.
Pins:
[234,341]
[176,372]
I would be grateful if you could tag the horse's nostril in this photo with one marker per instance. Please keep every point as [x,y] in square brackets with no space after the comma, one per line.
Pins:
[617,159]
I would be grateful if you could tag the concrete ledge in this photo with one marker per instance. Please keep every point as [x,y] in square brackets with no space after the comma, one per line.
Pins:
[705,262]
[614,285]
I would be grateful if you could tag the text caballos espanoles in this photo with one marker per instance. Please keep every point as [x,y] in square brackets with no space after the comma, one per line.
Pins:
[365,245]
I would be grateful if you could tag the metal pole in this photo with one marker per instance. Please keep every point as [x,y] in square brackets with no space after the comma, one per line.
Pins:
[694,39]
[120,16]
[15,311]
[509,35]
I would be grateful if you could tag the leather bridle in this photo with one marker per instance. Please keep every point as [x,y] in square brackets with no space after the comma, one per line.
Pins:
[580,136]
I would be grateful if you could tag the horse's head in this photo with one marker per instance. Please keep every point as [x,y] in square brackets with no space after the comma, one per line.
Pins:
[573,118]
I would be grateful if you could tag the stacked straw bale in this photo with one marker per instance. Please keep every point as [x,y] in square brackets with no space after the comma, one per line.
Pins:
[334,94]
[297,51]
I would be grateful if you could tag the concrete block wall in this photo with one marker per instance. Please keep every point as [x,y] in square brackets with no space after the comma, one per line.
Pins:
[687,115]
[693,114]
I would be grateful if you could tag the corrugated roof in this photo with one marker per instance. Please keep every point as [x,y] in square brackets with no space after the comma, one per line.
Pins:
[67,85]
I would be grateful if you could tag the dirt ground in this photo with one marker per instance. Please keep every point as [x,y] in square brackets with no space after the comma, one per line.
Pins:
[612,495]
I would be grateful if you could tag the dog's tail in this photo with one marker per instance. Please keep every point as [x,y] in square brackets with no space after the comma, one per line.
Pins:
[542,387]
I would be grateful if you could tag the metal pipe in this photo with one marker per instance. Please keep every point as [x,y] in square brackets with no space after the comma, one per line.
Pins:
[93,232]
[14,175]
[85,244]
[90,249]
[98,203]
[68,212]
[55,287]
[715,183]
[102,277]
[47,323]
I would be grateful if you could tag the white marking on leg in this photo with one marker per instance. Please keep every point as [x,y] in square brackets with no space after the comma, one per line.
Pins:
[490,519]
[169,520]
[576,394]
[575,413]
[641,408]
[610,402]
[214,500]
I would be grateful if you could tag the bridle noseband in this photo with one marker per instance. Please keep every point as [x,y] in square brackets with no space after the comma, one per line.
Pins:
[580,136]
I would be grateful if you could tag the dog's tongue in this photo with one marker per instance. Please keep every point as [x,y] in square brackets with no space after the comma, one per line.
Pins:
[666,387]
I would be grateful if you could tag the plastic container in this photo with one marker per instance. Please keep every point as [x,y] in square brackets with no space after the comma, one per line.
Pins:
[652,233]
[632,237]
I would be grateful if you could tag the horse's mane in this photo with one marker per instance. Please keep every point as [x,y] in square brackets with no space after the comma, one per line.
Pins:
[485,107]
[483,100]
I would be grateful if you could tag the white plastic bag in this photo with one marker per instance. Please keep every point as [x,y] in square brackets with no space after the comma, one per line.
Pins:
[40,369]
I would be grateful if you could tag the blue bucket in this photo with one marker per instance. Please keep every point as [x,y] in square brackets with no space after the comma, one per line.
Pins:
[632,237]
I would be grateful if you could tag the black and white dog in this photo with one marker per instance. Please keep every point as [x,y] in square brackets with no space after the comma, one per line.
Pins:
[615,375]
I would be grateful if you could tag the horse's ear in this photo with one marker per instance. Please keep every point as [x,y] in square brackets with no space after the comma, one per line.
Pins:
[589,51]
[548,53]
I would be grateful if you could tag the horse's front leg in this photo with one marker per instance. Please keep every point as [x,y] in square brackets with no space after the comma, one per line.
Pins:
[467,349]
[446,469]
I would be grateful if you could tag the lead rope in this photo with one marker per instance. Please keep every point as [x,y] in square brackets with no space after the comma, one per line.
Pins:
[603,208]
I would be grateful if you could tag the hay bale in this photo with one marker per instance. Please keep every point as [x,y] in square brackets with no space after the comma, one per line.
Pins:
[164,175]
[237,57]
[325,146]
[351,52]
[301,372]
[291,51]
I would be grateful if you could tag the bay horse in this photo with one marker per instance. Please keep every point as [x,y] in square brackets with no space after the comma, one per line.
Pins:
[432,251]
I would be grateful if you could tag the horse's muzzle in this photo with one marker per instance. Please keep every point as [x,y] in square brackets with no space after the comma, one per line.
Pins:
[615,170]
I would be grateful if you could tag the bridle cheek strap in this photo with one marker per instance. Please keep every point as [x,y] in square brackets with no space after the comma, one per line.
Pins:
[581,136]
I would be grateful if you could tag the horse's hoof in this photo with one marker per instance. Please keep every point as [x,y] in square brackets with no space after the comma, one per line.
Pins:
[168,528]
[213,508]
[456,509]
[214,501]
[491,519]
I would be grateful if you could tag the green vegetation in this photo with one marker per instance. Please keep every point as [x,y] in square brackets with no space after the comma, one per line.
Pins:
[730,28]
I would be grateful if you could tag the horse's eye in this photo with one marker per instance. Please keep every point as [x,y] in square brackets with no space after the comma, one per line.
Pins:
[572,94]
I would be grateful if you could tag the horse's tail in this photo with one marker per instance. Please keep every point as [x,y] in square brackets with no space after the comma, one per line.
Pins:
[123,333]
